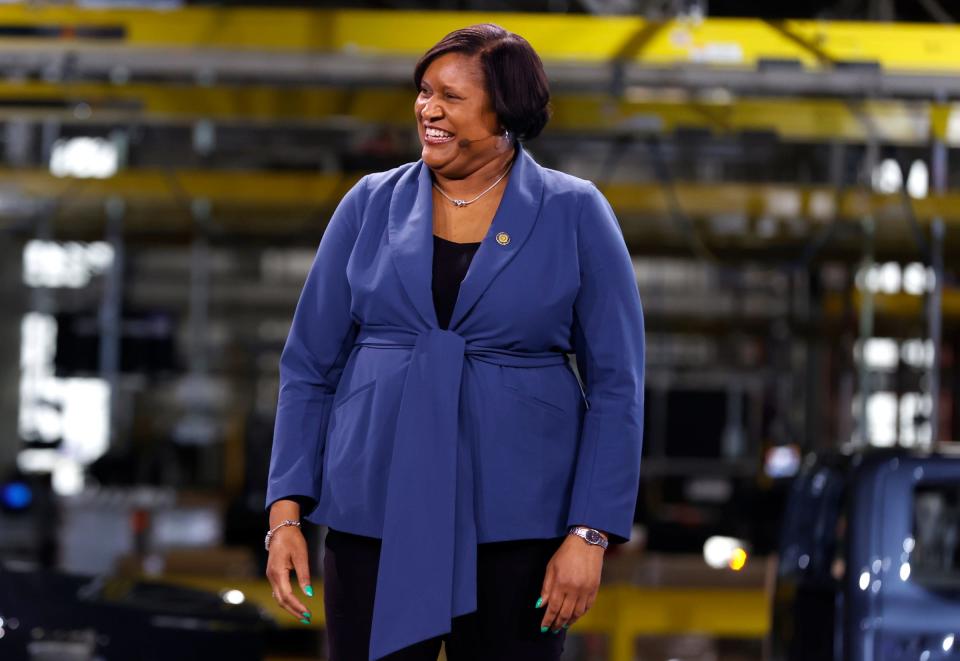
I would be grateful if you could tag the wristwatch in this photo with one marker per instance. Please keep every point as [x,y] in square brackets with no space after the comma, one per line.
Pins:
[591,535]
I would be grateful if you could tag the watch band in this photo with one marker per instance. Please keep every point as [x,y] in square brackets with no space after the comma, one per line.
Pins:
[590,535]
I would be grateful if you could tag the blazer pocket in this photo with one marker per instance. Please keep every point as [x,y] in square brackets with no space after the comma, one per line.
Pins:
[539,386]
[346,469]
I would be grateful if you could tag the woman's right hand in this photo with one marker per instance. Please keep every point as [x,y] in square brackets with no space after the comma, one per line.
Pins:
[288,550]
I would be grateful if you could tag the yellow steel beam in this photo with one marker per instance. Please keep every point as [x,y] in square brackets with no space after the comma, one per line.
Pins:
[902,306]
[792,119]
[255,203]
[621,611]
[714,41]
[293,190]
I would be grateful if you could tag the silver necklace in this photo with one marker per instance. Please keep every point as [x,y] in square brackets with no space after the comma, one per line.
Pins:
[463,203]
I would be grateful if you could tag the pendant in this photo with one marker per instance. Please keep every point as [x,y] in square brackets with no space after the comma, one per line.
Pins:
[460,203]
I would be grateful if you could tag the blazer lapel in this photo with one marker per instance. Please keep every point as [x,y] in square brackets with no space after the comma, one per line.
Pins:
[410,232]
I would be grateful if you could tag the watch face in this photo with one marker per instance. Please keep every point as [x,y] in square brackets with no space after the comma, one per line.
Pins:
[593,536]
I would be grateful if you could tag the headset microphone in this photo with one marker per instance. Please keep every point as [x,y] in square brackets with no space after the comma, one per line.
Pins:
[466,142]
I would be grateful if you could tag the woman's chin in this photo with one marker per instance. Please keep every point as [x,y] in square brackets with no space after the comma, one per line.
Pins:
[438,154]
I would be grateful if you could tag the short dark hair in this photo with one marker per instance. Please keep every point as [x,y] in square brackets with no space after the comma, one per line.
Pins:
[513,72]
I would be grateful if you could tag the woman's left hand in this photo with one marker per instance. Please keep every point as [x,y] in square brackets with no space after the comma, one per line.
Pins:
[571,583]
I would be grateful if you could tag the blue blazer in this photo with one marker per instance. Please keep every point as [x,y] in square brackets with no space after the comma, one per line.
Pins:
[435,440]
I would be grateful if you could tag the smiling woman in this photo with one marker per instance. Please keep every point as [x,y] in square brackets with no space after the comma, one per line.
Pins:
[429,414]
[479,91]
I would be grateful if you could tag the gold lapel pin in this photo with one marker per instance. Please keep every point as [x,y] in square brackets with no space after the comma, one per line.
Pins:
[503,238]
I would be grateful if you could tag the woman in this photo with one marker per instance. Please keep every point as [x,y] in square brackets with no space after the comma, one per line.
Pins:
[428,414]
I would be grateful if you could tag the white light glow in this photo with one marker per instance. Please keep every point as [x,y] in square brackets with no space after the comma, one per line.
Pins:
[67,477]
[914,278]
[886,177]
[917,352]
[86,419]
[84,157]
[70,264]
[882,417]
[37,460]
[918,180]
[718,551]
[881,353]
[73,412]
[782,461]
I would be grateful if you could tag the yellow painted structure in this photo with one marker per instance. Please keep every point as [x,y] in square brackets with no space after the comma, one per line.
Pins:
[714,44]
[714,41]
[649,111]
[289,193]
[621,612]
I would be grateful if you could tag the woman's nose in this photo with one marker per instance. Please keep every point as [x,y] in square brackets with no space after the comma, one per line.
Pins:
[429,109]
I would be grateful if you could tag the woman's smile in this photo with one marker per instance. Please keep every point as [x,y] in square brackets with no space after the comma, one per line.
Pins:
[437,137]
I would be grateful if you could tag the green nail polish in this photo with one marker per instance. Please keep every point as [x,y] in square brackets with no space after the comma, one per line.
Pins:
[543,629]
[556,631]
[566,626]
[539,601]
[306,614]
[309,590]
[305,621]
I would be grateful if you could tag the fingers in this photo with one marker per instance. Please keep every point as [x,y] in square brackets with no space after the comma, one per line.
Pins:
[546,597]
[579,608]
[553,598]
[283,557]
[280,580]
[564,604]
[302,566]
[552,619]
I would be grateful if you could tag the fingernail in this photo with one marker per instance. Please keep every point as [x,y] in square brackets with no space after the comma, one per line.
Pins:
[309,590]
[306,614]
[543,629]
[539,601]
[305,621]
[566,626]
[556,631]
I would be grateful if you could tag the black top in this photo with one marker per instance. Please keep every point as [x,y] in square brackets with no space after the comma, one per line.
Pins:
[450,263]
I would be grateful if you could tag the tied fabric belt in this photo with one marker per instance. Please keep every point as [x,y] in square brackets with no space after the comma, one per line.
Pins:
[428,554]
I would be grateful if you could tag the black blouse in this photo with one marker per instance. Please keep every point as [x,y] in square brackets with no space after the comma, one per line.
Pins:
[450,263]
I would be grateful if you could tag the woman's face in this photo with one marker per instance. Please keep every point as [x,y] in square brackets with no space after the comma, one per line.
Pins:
[453,98]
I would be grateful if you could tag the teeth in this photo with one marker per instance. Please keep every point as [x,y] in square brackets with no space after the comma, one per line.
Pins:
[437,133]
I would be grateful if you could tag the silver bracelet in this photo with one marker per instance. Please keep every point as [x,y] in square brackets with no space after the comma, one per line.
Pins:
[285,522]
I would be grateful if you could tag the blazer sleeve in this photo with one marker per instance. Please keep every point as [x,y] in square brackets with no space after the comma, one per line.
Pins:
[320,339]
[609,344]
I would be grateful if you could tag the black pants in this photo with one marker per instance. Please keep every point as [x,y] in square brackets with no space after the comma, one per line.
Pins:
[505,626]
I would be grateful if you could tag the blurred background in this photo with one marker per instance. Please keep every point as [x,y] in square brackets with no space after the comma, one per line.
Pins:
[785,176]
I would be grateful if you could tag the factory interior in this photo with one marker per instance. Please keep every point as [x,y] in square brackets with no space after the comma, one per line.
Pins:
[785,177]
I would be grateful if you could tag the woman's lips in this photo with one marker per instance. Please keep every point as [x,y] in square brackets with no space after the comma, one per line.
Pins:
[430,140]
